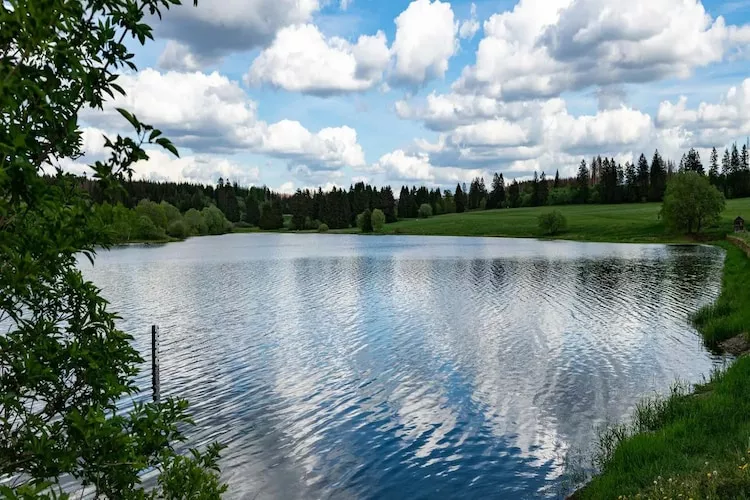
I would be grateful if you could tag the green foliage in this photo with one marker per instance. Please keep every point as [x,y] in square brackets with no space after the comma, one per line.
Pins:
[691,203]
[153,211]
[65,368]
[270,216]
[552,223]
[425,211]
[364,221]
[215,221]
[561,196]
[323,228]
[378,220]
[171,212]
[178,229]
[195,222]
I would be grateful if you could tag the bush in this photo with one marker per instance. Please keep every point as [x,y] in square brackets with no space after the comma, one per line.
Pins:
[378,220]
[178,229]
[691,203]
[560,196]
[425,211]
[242,225]
[147,230]
[552,222]
[323,228]
[364,221]
[195,222]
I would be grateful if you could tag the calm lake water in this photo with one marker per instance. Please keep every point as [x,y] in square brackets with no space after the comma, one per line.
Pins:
[340,366]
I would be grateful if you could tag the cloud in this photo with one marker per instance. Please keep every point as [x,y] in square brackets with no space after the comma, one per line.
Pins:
[545,47]
[209,113]
[469,27]
[425,41]
[324,67]
[218,27]
[177,56]
[710,124]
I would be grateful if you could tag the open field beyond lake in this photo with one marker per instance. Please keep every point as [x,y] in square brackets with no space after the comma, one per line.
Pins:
[638,222]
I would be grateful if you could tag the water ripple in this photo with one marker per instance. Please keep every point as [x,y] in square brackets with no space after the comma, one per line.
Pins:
[408,367]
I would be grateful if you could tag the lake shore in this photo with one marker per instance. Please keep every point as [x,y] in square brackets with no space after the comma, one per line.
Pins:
[692,444]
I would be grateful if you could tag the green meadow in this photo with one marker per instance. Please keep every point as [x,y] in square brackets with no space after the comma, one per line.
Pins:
[627,223]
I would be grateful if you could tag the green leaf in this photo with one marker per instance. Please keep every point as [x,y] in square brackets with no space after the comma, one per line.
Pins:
[129,117]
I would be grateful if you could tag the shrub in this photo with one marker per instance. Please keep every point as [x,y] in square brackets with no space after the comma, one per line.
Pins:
[378,220]
[147,230]
[425,211]
[242,225]
[195,222]
[178,229]
[323,228]
[552,222]
[364,221]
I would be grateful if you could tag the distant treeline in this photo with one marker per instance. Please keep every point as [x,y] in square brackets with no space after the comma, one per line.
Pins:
[601,180]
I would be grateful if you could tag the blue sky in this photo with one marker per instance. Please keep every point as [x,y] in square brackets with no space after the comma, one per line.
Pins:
[286,93]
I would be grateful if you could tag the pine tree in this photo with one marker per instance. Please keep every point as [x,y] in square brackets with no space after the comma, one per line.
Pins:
[643,178]
[497,195]
[582,183]
[535,190]
[252,212]
[403,203]
[713,172]
[631,182]
[514,194]
[556,184]
[693,162]
[658,178]
[543,189]
[460,199]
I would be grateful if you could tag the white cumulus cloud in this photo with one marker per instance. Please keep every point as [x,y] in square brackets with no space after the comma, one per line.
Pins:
[324,66]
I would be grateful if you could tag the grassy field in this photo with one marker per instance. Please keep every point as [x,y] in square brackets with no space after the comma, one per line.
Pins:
[614,223]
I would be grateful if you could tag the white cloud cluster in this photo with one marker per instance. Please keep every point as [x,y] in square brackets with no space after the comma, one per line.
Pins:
[325,66]
[210,113]
[545,47]
[218,27]
[425,41]
[401,166]
[469,27]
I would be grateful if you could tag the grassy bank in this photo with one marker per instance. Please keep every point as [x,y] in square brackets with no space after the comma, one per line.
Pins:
[690,444]
[629,223]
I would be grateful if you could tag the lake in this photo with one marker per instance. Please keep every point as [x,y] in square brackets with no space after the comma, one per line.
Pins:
[344,366]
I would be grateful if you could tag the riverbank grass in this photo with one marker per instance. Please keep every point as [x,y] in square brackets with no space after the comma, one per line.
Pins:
[689,445]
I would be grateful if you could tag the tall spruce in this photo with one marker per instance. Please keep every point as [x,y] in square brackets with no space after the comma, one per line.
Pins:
[582,183]
[460,199]
[643,178]
[658,178]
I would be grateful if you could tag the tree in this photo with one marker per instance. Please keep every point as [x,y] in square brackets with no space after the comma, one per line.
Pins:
[514,194]
[691,203]
[270,216]
[378,220]
[252,211]
[404,199]
[460,199]
[643,178]
[582,183]
[364,221]
[556,184]
[65,365]
[425,211]
[497,195]
[631,183]
[713,171]
[657,178]
[543,190]
[692,162]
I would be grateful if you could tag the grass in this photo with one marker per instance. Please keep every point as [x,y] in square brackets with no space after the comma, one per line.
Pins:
[730,314]
[626,223]
[689,445]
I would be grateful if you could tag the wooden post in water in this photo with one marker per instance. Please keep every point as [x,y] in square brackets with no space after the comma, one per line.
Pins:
[155,362]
